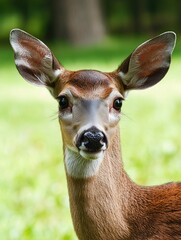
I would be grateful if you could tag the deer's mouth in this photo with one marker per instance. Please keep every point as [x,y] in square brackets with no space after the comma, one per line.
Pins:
[91,155]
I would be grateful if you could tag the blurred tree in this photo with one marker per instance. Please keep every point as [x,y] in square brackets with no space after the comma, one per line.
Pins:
[136,9]
[80,21]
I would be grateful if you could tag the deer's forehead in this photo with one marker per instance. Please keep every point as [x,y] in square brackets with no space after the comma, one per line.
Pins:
[91,84]
[89,78]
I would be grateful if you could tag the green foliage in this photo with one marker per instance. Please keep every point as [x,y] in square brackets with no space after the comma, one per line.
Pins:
[33,192]
[40,16]
[31,16]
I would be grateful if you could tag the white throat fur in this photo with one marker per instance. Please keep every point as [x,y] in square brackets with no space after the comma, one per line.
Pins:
[79,167]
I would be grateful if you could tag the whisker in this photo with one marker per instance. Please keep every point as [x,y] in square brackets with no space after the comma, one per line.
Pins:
[54,116]
[126,116]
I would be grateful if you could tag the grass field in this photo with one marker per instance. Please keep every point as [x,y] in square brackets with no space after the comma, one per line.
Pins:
[33,192]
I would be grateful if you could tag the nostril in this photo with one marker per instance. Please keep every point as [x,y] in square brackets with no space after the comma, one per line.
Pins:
[93,136]
[92,140]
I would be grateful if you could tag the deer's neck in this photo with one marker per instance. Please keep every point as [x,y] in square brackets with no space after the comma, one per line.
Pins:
[98,203]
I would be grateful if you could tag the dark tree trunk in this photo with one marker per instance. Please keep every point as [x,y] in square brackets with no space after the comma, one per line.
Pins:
[137,8]
[178,22]
[79,21]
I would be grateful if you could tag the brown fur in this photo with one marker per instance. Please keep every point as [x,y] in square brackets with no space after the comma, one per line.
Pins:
[91,82]
[110,206]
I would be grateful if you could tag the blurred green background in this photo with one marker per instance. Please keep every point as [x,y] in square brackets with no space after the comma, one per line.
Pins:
[82,34]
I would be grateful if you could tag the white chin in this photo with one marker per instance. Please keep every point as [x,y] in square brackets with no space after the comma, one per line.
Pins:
[92,156]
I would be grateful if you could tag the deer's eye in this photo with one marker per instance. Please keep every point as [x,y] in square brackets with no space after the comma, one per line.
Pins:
[63,102]
[117,104]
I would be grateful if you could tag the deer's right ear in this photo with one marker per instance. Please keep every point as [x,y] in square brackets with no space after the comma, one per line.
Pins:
[34,60]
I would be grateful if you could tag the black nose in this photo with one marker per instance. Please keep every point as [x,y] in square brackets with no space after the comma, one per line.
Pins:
[92,140]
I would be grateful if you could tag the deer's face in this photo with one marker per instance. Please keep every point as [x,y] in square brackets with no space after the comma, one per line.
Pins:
[89,111]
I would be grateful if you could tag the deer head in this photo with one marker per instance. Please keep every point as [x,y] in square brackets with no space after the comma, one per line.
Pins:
[90,101]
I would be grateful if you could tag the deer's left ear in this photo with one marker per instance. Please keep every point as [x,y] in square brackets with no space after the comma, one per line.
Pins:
[34,60]
[148,63]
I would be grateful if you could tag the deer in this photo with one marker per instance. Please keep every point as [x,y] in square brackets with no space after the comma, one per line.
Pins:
[105,204]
